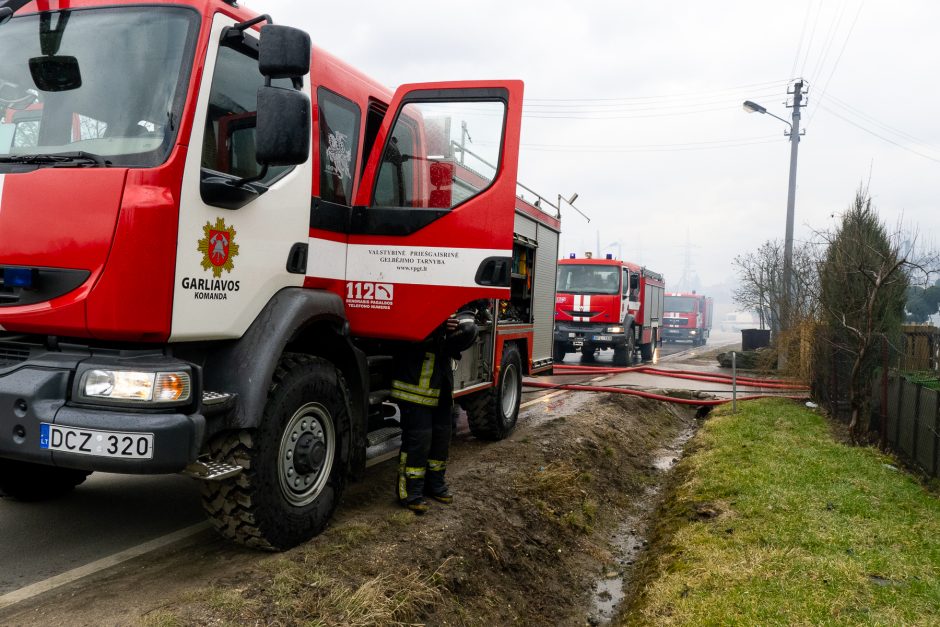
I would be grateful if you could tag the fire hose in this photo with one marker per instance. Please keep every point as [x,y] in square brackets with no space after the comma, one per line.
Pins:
[713,402]
[679,374]
[709,377]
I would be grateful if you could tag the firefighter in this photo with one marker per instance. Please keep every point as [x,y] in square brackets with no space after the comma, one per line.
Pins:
[423,388]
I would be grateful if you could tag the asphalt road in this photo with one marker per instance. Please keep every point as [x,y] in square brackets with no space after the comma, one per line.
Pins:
[111,513]
[105,515]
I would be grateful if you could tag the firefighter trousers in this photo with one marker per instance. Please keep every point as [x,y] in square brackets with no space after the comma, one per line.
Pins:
[425,445]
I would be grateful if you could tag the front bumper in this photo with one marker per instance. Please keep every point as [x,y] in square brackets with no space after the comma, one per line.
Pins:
[573,335]
[679,333]
[38,389]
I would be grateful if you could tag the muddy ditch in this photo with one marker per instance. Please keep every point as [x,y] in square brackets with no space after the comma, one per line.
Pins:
[546,529]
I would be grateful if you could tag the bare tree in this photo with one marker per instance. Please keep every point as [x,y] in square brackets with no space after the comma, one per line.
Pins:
[761,289]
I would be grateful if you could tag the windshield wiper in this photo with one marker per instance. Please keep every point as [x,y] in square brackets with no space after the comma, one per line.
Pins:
[77,158]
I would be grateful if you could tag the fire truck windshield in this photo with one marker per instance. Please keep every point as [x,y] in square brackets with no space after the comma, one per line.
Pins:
[588,279]
[679,304]
[94,87]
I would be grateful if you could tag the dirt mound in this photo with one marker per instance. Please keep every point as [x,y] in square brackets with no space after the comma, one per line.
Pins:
[525,541]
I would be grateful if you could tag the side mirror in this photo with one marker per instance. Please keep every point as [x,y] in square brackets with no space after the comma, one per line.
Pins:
[634,282]
[55,73]
[283,127]
[283,52]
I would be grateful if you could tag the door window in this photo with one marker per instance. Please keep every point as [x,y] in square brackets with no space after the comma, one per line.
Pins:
[339,142]
[440,154]
[228,145]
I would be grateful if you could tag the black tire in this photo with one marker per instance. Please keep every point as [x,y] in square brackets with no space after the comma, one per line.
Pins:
[24,481]
[558,352]
[587,352]
[624,356]
[492,414]
[646,350]
[295,460]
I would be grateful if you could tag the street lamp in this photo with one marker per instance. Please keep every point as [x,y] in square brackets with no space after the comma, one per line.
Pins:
[794,134]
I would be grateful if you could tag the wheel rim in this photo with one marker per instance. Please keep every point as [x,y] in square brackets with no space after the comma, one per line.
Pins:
[305,457]
[509,392]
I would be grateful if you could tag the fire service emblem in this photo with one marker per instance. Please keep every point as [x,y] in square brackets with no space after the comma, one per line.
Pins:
[218,247]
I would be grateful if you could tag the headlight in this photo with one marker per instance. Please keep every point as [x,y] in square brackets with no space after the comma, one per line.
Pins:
[615,329]
[127,385]
[692,332]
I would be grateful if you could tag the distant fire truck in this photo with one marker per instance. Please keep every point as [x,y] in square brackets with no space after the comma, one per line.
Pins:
[688,318]
[607,304]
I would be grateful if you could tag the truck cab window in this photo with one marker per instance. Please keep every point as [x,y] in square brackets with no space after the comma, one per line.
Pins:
[228,145]
[339,143]
[440,154]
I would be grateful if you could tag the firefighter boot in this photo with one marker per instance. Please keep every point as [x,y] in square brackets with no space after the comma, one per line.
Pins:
[434,485]
[411,486]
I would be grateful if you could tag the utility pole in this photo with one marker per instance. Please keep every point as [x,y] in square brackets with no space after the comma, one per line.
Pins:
[787,305]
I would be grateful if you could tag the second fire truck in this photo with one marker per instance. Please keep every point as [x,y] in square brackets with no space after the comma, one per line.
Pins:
[688,318]
[607,304]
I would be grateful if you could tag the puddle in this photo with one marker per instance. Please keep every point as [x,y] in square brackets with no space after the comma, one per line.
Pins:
[556,407]
[629,540]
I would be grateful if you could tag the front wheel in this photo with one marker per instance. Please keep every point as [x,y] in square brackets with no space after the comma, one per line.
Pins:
[492,414]
[558,352]
[24,481]
[294,461]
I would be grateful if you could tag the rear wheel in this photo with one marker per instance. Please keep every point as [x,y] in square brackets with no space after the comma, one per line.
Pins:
[558,352]
[646,350]
[294,461]
[492,414]
[24,481]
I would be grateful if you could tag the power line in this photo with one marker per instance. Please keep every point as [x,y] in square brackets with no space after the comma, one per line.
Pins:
[799,46]
[640,106]
[836,64]
[868,118]
[646,149]
[627,116]
[881,137]
[812,37]
[693,94]
[830,37]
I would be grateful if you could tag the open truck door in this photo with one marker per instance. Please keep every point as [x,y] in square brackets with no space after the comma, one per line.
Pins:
[432,228]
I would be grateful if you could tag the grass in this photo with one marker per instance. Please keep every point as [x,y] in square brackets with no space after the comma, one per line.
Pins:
[774,522]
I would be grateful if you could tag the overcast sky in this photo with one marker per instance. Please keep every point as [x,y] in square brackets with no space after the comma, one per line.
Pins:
[636,106]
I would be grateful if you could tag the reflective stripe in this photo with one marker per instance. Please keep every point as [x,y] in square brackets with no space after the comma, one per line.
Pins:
[417,399]
[426,369]
[416,389]
[413,472]
[402,486]
[436,465]
[422,393]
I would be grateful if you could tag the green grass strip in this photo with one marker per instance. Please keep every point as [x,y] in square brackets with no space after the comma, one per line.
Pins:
[775,522]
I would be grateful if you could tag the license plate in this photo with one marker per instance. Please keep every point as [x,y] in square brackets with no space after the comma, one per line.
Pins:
[94,442]
[577,343]
[602,338]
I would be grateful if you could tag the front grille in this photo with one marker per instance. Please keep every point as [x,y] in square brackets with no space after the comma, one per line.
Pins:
[12,355]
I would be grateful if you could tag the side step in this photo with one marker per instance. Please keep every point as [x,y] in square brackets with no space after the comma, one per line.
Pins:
[383,444]
[209,470]
[215,402]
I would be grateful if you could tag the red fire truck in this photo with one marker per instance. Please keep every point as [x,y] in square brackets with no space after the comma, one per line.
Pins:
[688,317]
[607,303]
[212,239]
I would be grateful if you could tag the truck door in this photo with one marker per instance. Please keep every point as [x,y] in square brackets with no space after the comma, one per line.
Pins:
[433,224]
